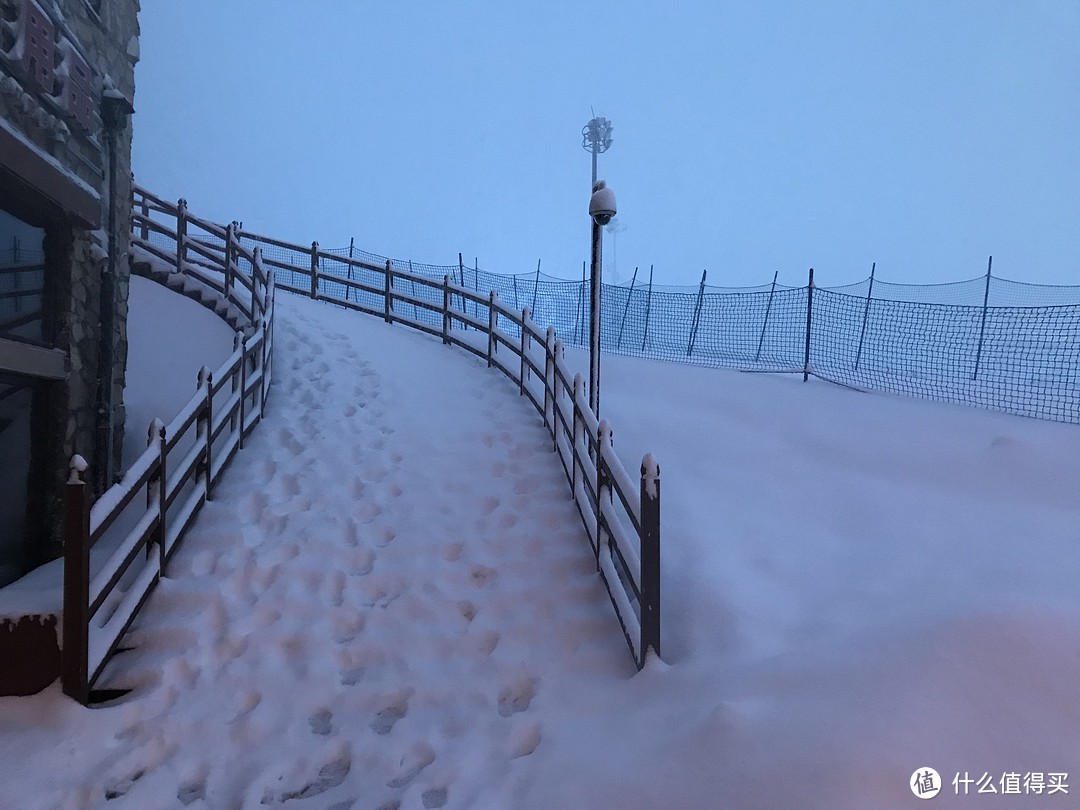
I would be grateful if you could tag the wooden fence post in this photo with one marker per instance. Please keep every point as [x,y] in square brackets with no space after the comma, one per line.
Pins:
[268,328]
[526,341]
[461,279]
[446,309]
[348,269]
[258,282]
[156,490]
[181,234]
[268,343]
[145,231]
[243,387]
[388,286]
[549,381]
[74,666]
[237,383]
[493,320]
[579,433]
[650,557]
[206,427]
[230,255]
[314,270]
[556,389]
[603,482]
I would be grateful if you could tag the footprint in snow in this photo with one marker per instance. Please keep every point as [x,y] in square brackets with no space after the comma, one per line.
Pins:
[517,696]
[481,575]
[412,762]
[434,797]
[321,722]
[387,716]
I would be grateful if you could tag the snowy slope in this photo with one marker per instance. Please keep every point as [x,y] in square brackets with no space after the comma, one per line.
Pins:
[391,603]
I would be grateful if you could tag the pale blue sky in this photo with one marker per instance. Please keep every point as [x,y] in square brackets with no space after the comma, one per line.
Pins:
[750,137]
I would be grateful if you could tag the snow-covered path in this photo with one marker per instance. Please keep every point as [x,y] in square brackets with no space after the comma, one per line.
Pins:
[391,602]
[372,607]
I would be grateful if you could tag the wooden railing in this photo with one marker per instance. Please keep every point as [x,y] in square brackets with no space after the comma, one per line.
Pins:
[624,531]
[203,251]
[183,461]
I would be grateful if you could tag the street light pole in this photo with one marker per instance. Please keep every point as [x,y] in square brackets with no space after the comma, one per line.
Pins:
[594,318]
[601,210]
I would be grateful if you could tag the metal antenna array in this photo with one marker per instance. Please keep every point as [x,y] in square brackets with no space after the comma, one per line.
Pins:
[596,138]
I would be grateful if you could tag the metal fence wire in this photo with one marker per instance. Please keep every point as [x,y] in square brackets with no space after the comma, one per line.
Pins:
[987,341]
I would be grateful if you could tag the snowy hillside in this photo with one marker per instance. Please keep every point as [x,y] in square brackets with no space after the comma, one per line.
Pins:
[391,602]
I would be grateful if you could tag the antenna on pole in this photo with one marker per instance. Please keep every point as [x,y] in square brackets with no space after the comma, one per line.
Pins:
[596,138]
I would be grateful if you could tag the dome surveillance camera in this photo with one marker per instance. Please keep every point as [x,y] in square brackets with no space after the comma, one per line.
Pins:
[602,204]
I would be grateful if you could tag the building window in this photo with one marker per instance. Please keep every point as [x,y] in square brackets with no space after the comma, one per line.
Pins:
[22,274]
[22,278]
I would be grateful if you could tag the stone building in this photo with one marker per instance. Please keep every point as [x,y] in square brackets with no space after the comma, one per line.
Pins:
[67,82]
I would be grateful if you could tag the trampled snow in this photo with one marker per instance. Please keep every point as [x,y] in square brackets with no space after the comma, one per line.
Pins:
[391,602]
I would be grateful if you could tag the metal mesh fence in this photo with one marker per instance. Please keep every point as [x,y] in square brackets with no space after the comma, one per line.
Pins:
[990,342]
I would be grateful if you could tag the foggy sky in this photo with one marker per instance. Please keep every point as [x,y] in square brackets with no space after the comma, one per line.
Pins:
[749,137]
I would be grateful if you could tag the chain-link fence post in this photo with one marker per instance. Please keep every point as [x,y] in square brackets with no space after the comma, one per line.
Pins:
[809,324]
[866,314]
[982,323]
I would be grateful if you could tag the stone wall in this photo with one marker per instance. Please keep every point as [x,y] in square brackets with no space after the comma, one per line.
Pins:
[95,48]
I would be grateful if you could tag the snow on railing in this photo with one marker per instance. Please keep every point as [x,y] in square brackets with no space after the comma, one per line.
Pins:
[184,460]
[624,531]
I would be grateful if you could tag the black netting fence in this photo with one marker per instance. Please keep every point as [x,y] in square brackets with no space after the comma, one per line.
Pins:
[990,342]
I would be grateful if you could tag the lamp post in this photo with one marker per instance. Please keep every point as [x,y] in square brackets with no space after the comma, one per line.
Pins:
[596,138]
[601,209]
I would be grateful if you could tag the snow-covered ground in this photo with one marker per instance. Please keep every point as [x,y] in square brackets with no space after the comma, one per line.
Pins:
[391,603]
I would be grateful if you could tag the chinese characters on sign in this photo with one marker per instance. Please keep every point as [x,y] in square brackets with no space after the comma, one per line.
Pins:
[1012,782]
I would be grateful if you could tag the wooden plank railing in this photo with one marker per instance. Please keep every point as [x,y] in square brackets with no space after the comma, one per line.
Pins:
[183,461]
[624,531]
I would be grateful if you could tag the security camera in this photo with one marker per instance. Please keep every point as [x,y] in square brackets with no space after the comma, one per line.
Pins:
[602,204]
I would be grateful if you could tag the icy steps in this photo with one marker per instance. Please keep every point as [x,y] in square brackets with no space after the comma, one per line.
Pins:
[192,288]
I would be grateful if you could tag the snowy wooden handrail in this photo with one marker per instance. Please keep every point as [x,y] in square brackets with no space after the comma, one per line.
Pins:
[623,531]
[211,254]
[177,473]
[621,517]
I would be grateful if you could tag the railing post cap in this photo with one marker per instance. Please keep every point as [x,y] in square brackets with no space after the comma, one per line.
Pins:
[78,466]
[314,245]
[157,429]
[205,376]
[650,467]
